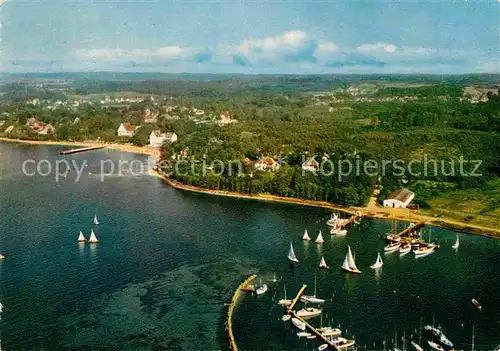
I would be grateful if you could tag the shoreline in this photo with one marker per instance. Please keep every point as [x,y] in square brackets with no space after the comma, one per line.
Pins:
[127,148]
[370,212]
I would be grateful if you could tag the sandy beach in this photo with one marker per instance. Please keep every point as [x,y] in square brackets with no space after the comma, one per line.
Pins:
[128,148]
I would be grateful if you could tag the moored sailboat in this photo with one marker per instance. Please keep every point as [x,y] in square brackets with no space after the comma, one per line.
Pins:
[298,323]
[306,236]
[475,303]
[308,312]
[404,249]
[319,239]
[96,222]
[262,289]
[392,247]
[93,238]
[378,263]
[291,254]
[323,264]
[349,265]
[81,237]
[313,298]
[285,301]
[435,346]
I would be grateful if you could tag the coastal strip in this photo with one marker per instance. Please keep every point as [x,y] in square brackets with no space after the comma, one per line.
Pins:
[369,212]
[127,148]
[234,300]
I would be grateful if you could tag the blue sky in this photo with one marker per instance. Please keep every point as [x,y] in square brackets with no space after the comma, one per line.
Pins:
[303,37]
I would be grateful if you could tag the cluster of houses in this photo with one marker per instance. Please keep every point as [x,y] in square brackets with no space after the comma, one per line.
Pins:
[39,126]
[156,138]
[475,95]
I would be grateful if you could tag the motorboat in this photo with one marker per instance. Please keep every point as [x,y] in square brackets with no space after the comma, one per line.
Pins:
[475,303]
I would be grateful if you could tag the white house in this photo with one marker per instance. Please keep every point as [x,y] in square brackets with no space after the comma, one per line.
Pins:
[399,199]
[126,129]
[266,163]
[157,138]
[310,165]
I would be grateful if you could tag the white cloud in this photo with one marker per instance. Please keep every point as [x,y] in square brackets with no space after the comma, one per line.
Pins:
[377,47]
[327,47]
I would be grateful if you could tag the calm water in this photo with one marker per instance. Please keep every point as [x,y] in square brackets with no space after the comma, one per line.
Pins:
[167,261]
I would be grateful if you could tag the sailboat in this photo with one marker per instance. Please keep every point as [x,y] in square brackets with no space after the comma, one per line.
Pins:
[1,307]
[417,346]
[323,264]
[93,238]
[298,323]
[96,222]
[457,243]
[313,298]
[404,249]
[2,256]
[308,312]
[262,289]
[81,237]
[306,236]
[291,254]
[285,301]
[435,346]
[378,263]
[349,265]
[319,239]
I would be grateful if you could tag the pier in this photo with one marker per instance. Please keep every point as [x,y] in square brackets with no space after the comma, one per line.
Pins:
[410,230]
[229,326]
[296,299]
[308,326]
[83,149]
[353,218]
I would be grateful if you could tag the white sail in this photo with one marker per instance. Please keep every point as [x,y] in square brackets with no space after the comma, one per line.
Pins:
[351,262]
[457,243]
[93,238]
[291,254]
[345,265]
[378,263]
[306,236]
[81,237]
[323,264]
[96,222]
[319,239]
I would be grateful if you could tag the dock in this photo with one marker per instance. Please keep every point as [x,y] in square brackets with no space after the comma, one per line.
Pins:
[83,149]
[244,287]
[410,230]
[308,326]
[353,218]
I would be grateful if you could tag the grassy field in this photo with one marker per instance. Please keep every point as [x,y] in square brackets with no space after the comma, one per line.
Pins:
[477,206]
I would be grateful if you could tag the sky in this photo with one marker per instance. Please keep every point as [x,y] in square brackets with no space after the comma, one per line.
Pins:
[252,37]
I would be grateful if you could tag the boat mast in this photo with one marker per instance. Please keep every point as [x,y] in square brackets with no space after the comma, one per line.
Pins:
[420,335]
[472,349]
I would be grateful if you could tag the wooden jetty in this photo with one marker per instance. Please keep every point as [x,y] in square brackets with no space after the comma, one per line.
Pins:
[83,149]
[353,218]
[296,299]
[410,230]
[229,325]
[308,326]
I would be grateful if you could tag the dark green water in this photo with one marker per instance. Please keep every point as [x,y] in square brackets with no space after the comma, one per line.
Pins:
[167,261]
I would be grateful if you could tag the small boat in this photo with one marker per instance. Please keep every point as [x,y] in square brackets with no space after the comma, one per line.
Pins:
[417,346]
[286,317]
[475,303]
[323,347]
[378,263]
[303,334]
[285,301]
[93,238]
[328,331]
[81,237]
[392,247]
[2,256]
[392,238]
[319,239]
[308,312]
[311,336]
[338,231]
[262,289]
[313,298]
[323,264]
[457,243]
[439,334]
[349,265]
[96,222]
[306,236]
[424,250]
[435,346]
[1,307]
[274,278]
[291,254]
[404,249]
[298,323]
[345,344]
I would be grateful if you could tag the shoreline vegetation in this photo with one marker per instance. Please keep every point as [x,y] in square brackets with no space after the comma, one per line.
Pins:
[371,211]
